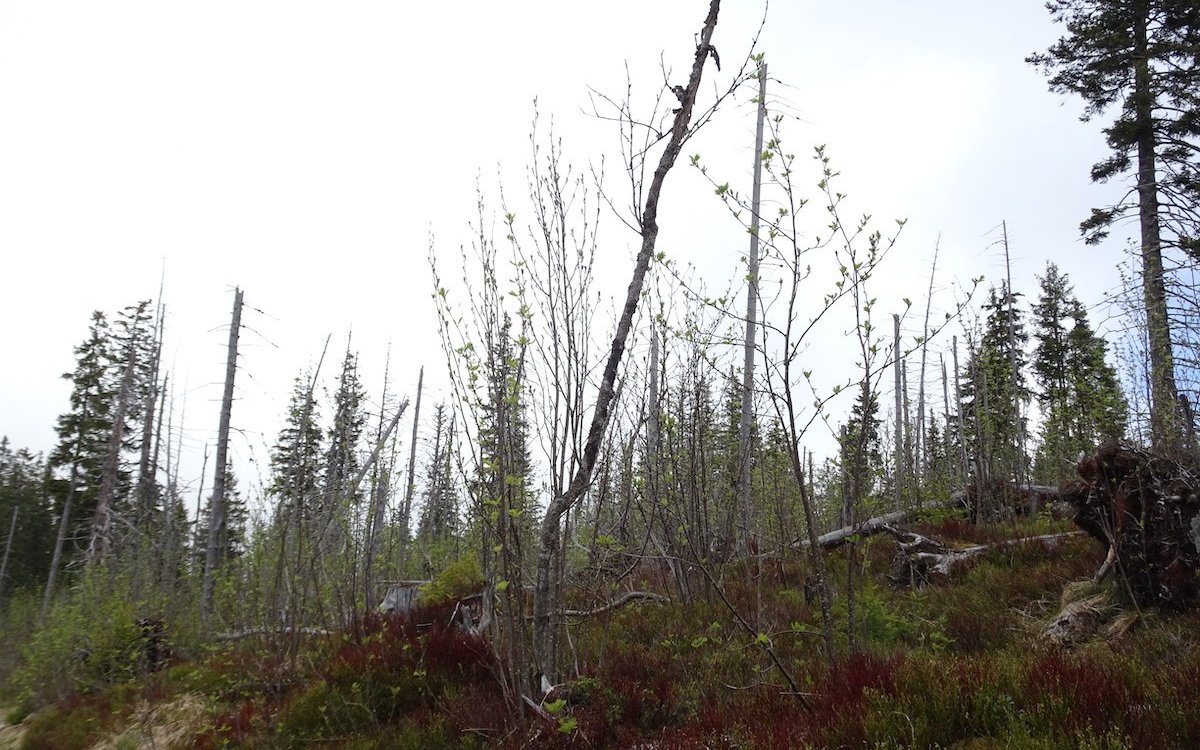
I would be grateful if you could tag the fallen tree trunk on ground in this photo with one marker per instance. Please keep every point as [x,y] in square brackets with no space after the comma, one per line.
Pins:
[919,558]
[961,498]
[238,635]
[620,601]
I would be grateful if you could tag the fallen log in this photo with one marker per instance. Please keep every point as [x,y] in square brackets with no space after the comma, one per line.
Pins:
[960,498]
[920,559]
[620,601]
[237,635]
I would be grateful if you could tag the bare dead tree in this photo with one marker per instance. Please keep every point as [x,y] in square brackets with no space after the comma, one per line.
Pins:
[406,508]
[216,513]
[898,363]
[747,416]
[102,520]
[923,342]
[63,524]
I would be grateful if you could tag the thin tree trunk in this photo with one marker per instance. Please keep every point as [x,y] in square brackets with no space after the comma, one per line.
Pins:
[962,430]
[910,472]
[160,404]
[1019,473]
[406,511]
[216,513]
[199,504]
[812,481]
[899,470]
[147,465]
[947,445]
[12,528]
[102,520]
[380,487]
[380,498]
[654,456]
[983,435]
[548,536]
[816,554]
[922,449]
[744,425]
[148,472]
[169,564]
[63,523]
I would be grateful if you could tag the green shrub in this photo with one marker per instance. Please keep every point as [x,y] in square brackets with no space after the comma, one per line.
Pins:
[89,642]
[460,579]
[941,700]
[880,623]
[17,713]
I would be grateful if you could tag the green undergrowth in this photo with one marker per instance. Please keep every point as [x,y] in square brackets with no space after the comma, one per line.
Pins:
[960,664]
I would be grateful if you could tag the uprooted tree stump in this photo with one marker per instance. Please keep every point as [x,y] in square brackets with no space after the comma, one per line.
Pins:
[1144,508]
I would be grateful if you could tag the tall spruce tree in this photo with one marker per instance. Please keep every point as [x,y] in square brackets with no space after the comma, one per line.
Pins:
[1101,412]
[859,452]
[439,514]
[77,461]
[1078,391]
[1139,57]
[345,435]
[994,392]
[296,456]
[23,490]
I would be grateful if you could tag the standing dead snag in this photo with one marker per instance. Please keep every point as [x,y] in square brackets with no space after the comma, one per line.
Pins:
[549,534]
[216,515]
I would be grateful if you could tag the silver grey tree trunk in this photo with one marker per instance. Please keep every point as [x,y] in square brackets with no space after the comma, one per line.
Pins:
[747,417]
[923,449]
[102,520]
[406,509]
[216,512]
[1019,472]
[379,502]
[147,463]
[63,523]
[898,479]
[962,430]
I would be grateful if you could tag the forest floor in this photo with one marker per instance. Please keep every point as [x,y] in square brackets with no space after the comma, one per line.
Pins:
[963,663]
[10,736]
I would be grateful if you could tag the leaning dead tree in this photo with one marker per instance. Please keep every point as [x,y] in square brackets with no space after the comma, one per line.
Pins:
[102,519]
[549,536]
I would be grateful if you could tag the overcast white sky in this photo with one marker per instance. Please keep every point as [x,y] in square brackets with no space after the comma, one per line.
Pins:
[305,151]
